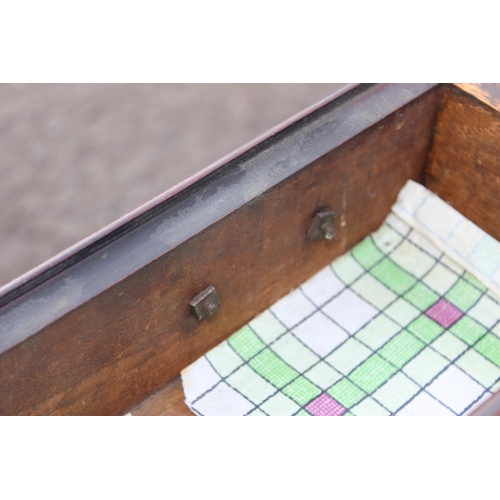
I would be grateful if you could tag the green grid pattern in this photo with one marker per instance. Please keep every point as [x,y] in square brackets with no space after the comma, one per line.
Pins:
[389,361]
[425,366]
[246,343]
[393,276]
[272,368]
[400,349]
[489,347]
[346,393]
[463,295]
[468,330]
[372,373]
[302,391]
[367,253]
[425,329]
[421,296]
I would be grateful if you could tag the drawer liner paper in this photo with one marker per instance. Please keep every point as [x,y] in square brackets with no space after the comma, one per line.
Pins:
[406,323]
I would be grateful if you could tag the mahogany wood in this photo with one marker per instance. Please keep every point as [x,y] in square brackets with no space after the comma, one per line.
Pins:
[464,149]
[464,163]
[489,93]
[168,401]
[114,350]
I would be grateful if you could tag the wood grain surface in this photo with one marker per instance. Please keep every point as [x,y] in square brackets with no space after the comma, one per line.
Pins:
[168,401]
[76,156]
[463,169]
[488,93]
[123,345]
[464,163]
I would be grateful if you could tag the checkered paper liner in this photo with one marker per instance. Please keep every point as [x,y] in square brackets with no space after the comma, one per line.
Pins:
[394,327]
[471,247]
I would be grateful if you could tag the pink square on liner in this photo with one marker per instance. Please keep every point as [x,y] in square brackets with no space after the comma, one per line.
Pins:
[325,406]
[444,313]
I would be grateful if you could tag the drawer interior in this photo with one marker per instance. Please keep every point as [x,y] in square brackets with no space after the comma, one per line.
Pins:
[117,343]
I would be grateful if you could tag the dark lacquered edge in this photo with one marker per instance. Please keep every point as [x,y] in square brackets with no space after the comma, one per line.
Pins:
[163,224]
[117,228]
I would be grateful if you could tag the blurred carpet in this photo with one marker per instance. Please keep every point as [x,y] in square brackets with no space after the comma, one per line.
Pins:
[74,157]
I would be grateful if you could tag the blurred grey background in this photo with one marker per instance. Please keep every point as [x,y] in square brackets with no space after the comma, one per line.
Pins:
[74,157]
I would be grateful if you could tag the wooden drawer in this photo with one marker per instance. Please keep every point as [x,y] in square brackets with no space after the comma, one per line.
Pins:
[102,327]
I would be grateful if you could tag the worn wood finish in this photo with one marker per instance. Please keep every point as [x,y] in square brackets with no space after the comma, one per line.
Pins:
[464,164]
[124,344]
[71,279]
[168,401]
[488,93]
[235,162]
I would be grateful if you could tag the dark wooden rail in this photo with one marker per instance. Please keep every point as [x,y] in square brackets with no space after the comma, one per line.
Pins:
[105,325]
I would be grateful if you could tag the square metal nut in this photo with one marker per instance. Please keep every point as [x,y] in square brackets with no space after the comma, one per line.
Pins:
[322,226]
[205,303]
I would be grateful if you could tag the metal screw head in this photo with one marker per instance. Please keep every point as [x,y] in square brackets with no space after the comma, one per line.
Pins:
[328,229]
[322,226]
[205,303]
[209,306]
